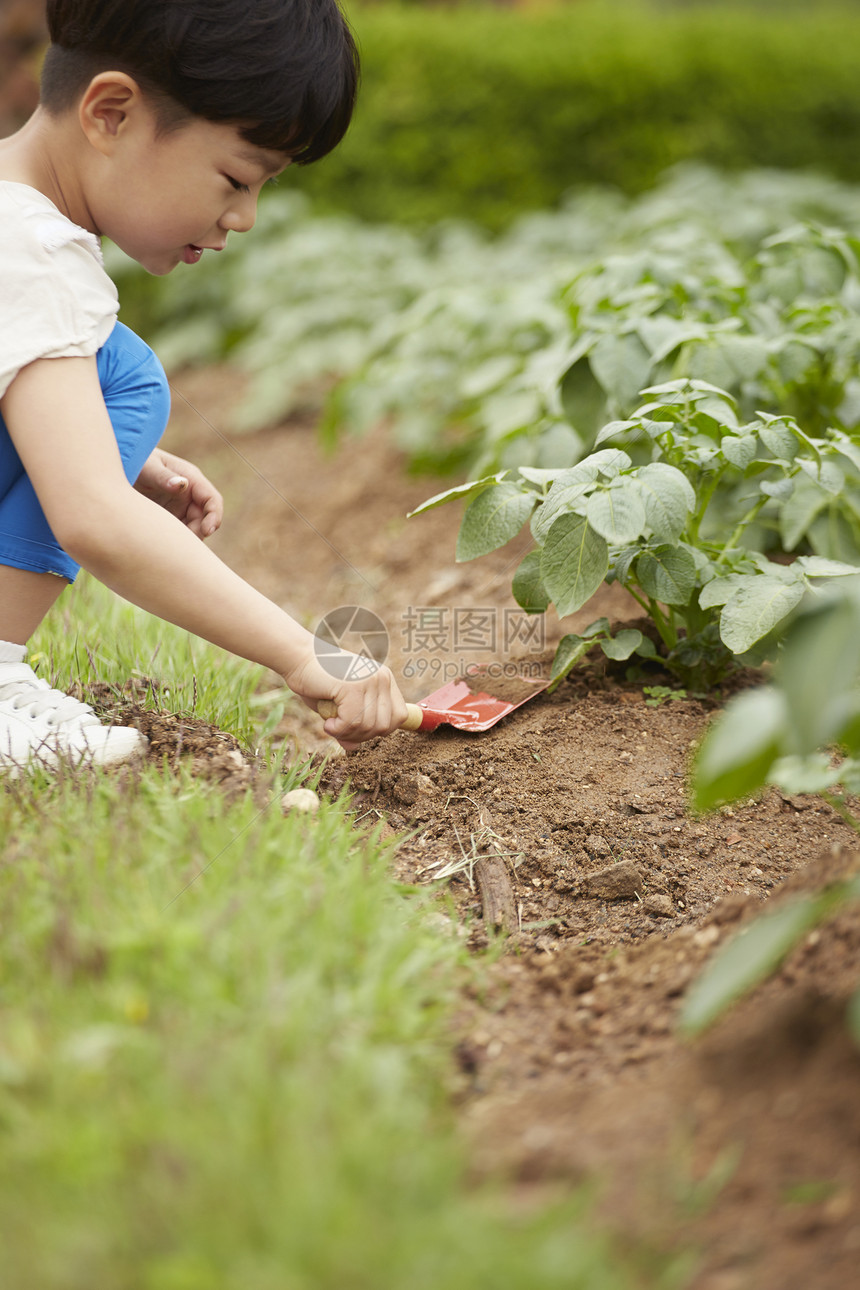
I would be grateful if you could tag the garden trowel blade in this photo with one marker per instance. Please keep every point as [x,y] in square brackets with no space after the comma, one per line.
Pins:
[464,705]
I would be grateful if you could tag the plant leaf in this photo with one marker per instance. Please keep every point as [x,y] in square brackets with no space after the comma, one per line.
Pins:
[462,490]
[541,475]
[583,399]
[608,462]
[574,562]
[746,960]
[779,440]
[820,668]
[570,650]
[846,447]
[617,428]
[719,590]
[827,475]
[818,566]
[492,518]
[529,591]
[560,500]
[809,774]
[781,489]
[667,573]
[798,511]
[622,365]
[739,748]
[620,568]
[622,645]
[668,497]
[617,513]
[756,608]
[600,626]
[739,449]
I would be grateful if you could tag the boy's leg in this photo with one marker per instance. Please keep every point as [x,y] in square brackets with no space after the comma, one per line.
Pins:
[33,567]
[25,598]
[38,724]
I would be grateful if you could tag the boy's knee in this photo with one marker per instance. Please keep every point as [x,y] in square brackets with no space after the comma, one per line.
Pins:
[136,394]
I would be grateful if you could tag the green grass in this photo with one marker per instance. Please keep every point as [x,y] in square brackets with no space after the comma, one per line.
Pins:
[92,635]
[225,1035]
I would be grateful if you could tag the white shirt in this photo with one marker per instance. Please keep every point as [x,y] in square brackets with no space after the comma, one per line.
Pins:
[56,300]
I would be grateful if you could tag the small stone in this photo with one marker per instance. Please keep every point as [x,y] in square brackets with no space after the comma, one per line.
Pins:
[619,882]
[406,789]
[597,846]
[303,800]
[658,906]
[706,936]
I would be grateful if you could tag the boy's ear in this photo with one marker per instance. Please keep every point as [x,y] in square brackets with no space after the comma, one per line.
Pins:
[109,103]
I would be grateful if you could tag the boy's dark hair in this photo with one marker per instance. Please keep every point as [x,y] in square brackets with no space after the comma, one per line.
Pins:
[285,70]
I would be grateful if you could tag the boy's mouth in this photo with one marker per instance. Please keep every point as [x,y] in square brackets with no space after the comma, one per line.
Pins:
[193,252]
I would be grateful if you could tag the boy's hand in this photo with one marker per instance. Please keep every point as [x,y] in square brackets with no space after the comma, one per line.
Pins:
[366,707]
[182,489]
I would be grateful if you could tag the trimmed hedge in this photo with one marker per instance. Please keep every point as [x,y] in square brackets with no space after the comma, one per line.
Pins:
[485,113]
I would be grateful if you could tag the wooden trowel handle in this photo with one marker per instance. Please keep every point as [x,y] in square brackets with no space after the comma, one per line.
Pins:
[414,714]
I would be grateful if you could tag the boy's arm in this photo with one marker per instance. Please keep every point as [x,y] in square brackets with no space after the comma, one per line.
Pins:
[59,424]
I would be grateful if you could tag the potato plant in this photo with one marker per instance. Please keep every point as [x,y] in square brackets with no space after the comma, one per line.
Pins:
[488,353]
[707,278]
[676,510]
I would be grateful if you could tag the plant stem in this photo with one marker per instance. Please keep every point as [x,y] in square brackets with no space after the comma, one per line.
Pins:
[747,519]
[666,629]
[696,521]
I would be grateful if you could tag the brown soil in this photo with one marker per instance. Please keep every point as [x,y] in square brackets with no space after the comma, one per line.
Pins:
[174,738]
[742,1146]
[509,689]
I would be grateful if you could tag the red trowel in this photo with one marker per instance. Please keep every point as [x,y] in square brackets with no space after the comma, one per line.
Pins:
[475,702]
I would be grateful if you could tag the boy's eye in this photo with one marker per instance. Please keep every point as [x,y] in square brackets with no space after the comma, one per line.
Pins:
[240,188]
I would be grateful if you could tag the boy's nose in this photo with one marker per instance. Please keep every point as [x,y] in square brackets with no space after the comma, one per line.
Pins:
[241,216]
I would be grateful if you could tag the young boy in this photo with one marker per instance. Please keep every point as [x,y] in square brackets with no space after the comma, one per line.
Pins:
[159,123]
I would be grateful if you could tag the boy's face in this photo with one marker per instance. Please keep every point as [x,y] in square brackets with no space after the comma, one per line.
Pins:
[165,199]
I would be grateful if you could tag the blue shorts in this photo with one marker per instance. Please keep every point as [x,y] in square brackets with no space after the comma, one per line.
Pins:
[137,396]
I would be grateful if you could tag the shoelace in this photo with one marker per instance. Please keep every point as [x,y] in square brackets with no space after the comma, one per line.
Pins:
[43,701]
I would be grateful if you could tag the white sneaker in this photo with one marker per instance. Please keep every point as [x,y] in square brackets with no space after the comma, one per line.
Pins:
[41,726]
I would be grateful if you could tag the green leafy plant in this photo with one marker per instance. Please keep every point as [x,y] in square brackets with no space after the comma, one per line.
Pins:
[674,516]
[488,353]
[621,646]
[525,372]
[780,734]
[657,695]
